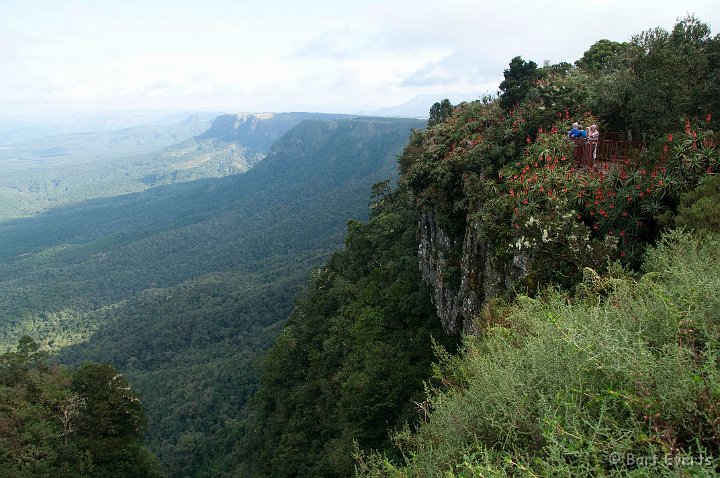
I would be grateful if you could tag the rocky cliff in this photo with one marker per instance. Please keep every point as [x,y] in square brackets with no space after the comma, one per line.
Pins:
[459,291]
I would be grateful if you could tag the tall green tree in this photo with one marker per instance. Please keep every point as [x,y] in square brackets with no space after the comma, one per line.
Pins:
[602,54]
[675,75]
[439,112]
[58,422]
[519,80]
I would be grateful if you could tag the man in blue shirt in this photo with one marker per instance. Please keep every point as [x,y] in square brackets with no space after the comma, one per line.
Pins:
[573,132]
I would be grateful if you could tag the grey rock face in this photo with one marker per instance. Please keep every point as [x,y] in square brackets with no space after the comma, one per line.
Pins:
[481,276]
[433,253]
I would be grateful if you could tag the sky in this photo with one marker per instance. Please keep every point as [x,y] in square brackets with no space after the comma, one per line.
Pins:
[276,55]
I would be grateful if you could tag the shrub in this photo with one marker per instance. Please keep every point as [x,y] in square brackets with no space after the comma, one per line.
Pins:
[567,388]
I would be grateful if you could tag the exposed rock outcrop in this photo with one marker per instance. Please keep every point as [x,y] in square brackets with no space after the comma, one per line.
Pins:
[481,276]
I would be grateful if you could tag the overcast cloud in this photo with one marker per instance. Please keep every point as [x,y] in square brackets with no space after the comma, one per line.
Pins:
[281,55]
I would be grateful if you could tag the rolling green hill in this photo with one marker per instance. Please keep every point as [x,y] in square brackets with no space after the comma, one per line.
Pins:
[42,173]
[181,286]
[71,149]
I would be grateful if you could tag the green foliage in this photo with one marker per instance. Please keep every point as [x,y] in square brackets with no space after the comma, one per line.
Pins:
[351,358]
[60,422]
[519,80]
[439,112]
[601,55]
[700,208]
[675,75]
[545,212]
[620,203]
[564,387]
[183,287]
[553,387]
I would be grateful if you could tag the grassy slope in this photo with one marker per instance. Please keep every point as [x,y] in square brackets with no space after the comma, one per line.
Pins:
[559,388]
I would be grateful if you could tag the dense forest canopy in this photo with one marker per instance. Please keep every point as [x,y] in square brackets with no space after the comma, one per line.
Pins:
[57,421]
[182,287]
[520,303]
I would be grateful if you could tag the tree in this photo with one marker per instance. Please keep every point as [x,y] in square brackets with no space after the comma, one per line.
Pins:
[111,422]
[55,422]
[601,55]
[439,112]
[69,411]
[675,75]
[518,82]
[112,409]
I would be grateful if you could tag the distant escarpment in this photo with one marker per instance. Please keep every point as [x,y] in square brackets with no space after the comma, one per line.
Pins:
[258,131]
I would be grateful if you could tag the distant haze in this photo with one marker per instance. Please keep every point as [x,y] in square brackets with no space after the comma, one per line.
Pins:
[275,55]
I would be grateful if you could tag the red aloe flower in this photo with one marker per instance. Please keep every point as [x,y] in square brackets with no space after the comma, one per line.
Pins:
[708,117]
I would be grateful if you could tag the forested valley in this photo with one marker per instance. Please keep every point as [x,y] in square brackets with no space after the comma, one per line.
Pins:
[515,300]
[181,287]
